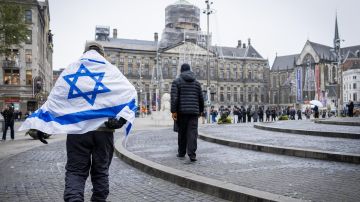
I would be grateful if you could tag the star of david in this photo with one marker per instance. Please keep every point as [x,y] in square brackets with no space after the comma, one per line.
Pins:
[90,96]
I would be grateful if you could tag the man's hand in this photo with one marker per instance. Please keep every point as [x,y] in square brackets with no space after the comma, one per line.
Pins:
[114,123]
[174,116]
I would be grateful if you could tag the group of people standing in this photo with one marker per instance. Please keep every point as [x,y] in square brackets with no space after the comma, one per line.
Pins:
[243,115]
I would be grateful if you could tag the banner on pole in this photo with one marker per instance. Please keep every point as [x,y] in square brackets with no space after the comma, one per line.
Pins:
[299,85]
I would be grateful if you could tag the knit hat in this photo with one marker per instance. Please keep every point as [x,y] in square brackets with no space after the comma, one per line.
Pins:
[94,45]
[185,67]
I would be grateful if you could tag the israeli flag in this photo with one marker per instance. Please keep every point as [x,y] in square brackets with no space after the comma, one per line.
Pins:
[85,95]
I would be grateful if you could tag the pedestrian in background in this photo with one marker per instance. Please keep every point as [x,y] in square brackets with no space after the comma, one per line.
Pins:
[8,114]
[261,114]
[267,112]
[307,113]
[351,108]
[214,114]
[187,104]
[243,111]
[273,114]
[255,114]
[248,114]
[235,114]
[299,114]
[316,112]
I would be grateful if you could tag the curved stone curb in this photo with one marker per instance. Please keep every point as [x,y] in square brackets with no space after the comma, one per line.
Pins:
[310,132]
[206,185]
[289,151]
[344,123]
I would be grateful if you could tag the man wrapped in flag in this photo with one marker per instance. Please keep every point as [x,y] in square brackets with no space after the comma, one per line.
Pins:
[89,101]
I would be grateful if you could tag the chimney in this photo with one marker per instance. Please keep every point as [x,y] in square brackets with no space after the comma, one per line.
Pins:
[156,36]
[249,42]
[244,45]
[114,33]
[239,44]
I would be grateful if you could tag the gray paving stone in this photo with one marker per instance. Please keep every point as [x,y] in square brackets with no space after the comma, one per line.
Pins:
[247,133]
[38,175]
[350,121]
[289,176]
[310,125]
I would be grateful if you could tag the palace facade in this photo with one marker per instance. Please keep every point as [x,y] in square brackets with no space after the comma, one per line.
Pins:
[238,75]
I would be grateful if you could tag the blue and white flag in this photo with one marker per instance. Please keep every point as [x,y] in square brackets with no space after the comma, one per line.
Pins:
[85,95]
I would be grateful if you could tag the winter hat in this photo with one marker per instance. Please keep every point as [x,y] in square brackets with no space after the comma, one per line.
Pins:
[94,45]
[185,67]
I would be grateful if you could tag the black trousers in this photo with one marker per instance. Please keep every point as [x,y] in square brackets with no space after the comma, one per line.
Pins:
[7,125]
[92,151]
[248,118]
[261,118]
[244,118]
[187,135]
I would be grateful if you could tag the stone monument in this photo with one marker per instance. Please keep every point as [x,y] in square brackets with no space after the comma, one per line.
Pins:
[163,117]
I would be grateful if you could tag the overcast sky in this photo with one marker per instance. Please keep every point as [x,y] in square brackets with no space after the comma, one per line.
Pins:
[274,26]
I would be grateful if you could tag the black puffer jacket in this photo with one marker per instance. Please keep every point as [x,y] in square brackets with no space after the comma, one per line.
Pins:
[186,95]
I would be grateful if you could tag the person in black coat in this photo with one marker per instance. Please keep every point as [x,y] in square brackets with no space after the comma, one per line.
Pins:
[248,113]
[299,114]
[261,114]
[351,108]
[267,112]
[187,104]
[8,114]
[316,111]
[243,111]
[273,114]
[239,115]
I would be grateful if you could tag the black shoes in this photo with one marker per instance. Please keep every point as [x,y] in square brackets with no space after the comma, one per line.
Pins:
[193,159]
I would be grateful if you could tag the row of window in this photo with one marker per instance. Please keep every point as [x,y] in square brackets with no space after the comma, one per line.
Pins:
[167,61]
[130,60]
[200,73]
[12,77]
[348,87]
[249,89]
[347,78]
[235,98]
[353,97]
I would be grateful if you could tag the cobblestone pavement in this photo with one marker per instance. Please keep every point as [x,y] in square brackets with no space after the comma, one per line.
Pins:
[22,143]
[289,176]
[343,119]
[310,125]
[247,133]
[38,175]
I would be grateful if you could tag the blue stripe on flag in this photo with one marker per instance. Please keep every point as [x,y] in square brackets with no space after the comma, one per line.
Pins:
[91,60]
[83,115]
[128,128]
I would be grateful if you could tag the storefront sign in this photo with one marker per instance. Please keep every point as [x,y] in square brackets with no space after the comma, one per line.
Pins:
[11,100]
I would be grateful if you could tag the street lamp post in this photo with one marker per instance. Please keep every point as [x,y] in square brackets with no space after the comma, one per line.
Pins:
[340,80]
[208,12]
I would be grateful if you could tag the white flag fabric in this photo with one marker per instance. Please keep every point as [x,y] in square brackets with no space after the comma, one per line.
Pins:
[86,94]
